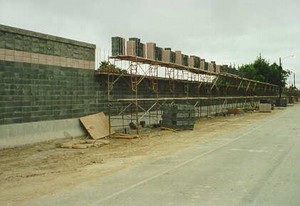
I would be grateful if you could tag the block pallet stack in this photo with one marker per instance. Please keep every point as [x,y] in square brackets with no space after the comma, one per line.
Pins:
[166,55]
[151,50]
[218,68]
[178,116]
[206,66]
[202,64]
[142,50]
[281,102]
[210,67]
[118,46]
[135,47]
[178,57]
[169,55]
[185,60]
[158,53]
[131,48]
[214,65]
[173,57]
[265,107]
[194,61]
[191,61]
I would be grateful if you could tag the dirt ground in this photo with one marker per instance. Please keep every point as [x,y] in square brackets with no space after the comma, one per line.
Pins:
[44,168]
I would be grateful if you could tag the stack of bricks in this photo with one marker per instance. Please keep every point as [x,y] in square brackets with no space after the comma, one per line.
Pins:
[166,55]
[135,47]
[214,65]
[131,48]
[265,107]
[194,61]
[151,50]
[281,102]
[178,116]
[118,46]
[211,67]
[218,69]
[185,60]
[158,53]
[202,64]
[178,57]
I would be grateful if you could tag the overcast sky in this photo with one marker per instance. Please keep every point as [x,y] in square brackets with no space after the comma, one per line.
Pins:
[226,31]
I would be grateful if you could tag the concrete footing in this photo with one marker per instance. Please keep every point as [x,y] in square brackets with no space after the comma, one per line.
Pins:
[13,135]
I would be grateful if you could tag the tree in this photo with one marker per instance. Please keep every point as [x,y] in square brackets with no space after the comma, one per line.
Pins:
[262,70]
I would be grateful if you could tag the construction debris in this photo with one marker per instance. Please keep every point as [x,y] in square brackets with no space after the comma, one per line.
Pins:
[97,125]
[234,111]
[169,129]
[125,136]
[84,144]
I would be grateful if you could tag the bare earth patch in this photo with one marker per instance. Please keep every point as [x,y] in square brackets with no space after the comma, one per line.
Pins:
[35,170]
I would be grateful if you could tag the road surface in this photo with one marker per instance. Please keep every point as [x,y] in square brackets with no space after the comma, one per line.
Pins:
[255,165]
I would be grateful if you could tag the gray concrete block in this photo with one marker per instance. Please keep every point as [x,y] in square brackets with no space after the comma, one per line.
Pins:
[13,135]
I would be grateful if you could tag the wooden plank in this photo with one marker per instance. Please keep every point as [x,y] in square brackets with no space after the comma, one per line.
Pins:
[97,125]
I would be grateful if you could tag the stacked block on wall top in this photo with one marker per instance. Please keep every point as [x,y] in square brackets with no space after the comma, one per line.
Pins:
[194,61]
[118,46]
[178,57]
[202,64]
[151,51]
[185,60]
[166,55]
[158,53]
[218,68]
[135,47]
[178,116]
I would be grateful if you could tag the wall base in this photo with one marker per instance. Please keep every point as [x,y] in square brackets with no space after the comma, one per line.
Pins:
[13,135]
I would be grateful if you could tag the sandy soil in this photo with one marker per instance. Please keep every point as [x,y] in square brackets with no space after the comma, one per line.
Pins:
[32,171]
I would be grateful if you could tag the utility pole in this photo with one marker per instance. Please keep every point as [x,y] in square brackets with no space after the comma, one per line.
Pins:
[294,80]
[280,74]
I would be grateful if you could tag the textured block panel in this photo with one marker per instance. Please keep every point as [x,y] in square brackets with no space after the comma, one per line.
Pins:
[33,92]
[23,40]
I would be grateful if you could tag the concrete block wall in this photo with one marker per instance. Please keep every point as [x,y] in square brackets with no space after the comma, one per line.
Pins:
[31,47]
[44,77]
[33,92]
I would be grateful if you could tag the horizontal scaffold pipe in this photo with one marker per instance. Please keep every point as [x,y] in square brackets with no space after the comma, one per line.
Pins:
[185,68]
[193,98]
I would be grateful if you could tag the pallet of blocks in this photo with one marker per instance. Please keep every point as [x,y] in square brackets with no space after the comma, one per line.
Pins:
[135,47]
[118,46]
[265,107]
[178,57]
[281,102]
[202,64]
[178,116]
[214,65]
[210,67]
[151,50]
[166,55]
[194,61]
[218,69]
[191,62]
[185,60]
[131,48]
[158,53]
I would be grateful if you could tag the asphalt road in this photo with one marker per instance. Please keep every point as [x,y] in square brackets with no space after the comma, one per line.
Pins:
[256,165]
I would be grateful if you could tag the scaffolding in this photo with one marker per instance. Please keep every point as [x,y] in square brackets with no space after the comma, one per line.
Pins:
[201,88]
